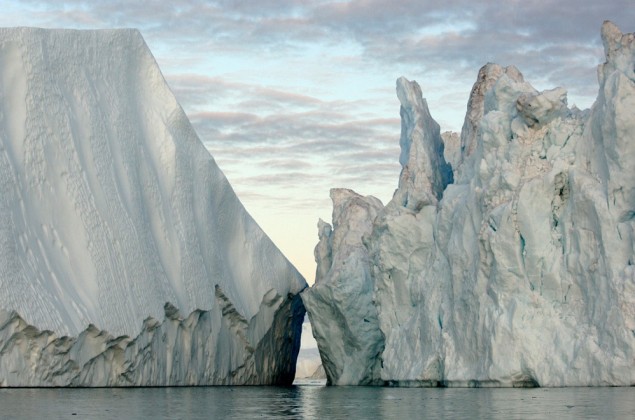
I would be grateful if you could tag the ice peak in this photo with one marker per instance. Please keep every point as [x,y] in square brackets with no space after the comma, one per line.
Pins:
[487,77]
[425,173]
[619,50]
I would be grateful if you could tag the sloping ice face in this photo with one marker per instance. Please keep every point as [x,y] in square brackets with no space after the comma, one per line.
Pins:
[517,270]
[115,220]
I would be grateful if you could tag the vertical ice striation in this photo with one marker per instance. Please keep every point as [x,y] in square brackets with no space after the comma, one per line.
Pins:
[521,271]
[110,207]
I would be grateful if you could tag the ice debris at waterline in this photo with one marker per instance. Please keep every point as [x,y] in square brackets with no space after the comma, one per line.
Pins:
[110,206]
[517,269]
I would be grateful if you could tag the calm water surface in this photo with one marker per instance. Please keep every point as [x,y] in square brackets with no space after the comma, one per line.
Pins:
[316,402]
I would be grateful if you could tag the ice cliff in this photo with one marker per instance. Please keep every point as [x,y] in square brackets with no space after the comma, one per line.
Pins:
[514,267]
[115,220]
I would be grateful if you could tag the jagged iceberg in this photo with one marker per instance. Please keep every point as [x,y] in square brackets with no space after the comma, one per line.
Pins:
[113,218]
[506,258]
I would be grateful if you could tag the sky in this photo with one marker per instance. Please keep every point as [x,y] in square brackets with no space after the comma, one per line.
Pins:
[294,97]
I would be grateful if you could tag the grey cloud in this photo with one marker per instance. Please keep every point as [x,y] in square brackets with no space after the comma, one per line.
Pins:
[195,90]
[223,118]
[318,147]
[365,20]
[552,41]
[292,153]
[473,32]
[287,164]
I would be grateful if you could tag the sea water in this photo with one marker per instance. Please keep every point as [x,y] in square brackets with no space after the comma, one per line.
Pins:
[310,401]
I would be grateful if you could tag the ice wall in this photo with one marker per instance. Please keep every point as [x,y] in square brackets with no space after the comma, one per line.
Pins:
[111,207]
[521,272]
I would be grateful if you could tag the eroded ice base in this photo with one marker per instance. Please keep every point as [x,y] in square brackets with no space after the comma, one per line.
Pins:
[216,347]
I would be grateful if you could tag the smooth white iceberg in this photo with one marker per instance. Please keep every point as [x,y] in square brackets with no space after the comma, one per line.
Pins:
[113,214]
[515,268]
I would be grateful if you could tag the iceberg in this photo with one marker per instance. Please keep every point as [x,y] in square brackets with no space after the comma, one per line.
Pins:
[506,259]
[115,220]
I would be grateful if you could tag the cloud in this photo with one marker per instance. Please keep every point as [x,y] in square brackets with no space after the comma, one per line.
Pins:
[550,41]
[323,144]
[282,147]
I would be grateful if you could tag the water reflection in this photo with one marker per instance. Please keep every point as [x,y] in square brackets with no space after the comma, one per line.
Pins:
[316,402]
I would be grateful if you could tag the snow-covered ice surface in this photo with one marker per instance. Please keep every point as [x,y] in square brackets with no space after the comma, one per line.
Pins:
[111,207]
[514,268]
